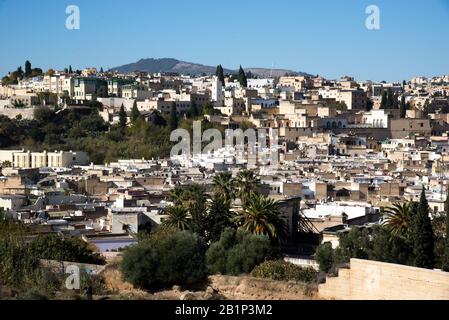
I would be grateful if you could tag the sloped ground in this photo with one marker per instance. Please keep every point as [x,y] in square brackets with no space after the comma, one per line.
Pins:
[219,287]
[249,288]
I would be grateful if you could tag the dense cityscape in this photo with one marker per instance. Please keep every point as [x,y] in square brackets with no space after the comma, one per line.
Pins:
[342,196]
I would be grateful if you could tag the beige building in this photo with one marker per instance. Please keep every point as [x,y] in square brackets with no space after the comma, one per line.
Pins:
[163,106]
[57,159]
[7,156]
[354,99]
[403,128]
[296,83]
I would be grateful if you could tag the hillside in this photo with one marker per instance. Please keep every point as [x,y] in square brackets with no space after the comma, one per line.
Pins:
[152,65]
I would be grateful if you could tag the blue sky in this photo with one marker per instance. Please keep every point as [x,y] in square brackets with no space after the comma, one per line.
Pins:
[325,37]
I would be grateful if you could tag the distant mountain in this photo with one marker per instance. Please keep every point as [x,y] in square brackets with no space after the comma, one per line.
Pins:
[188,68]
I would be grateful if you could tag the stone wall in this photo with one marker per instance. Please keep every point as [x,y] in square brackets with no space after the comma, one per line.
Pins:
[249,288]
[60,267]
[12,113]
[372,280]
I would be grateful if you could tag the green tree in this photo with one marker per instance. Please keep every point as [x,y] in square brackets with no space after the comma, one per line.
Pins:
[391,100]
[369,104]
[398,218]
[43,115]
[353,244]
[6,164]
[324,255]
[15,261]
[27,68]
[122,117]
[53,247]
[135,113]
[238,252]
[376,243]
[261,216]
[193,111]
[423,235]
[445,260]
[210,110]
[384,101]
[176,195]
[177,216]
[246,183]
[157,119]
[195,202]
[70,69]
[341,106]
[173,117]
[177,259]
[224,185]
[217,219]
[242,77]
[403,107]
[219,73]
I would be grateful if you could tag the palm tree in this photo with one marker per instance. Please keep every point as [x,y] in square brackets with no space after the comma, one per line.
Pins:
[176,195]
[398,218]
[246,183]
[177,217]
[217,218]
[194,201]
[223,185]
[194,192]
[261,216]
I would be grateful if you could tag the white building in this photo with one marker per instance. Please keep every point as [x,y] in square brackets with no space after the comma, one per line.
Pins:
[377,118]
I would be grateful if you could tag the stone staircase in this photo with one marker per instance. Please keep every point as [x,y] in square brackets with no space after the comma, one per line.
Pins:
[373,280]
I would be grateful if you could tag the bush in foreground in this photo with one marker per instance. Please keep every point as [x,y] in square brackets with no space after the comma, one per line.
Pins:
[177,259]
[238,252]
[284,271]
[53,247]
[324,255]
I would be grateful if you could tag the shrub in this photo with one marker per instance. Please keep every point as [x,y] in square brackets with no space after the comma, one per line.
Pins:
[324,255]
[31,294]
[175,260]
[284,271]
[238,252]
[53,247]
[17,265]
[95,281]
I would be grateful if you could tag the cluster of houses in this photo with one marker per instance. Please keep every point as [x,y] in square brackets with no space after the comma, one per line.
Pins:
[343,156]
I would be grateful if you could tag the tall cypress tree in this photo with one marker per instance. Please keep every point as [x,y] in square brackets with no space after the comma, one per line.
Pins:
[27,68]
[392,102]
[242,77]
[135,113]
[423,238]
[70,69]
[122,116]
[403,107]
[445,262]
[219,73]
[173,117]
[193,110]
[383,103]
